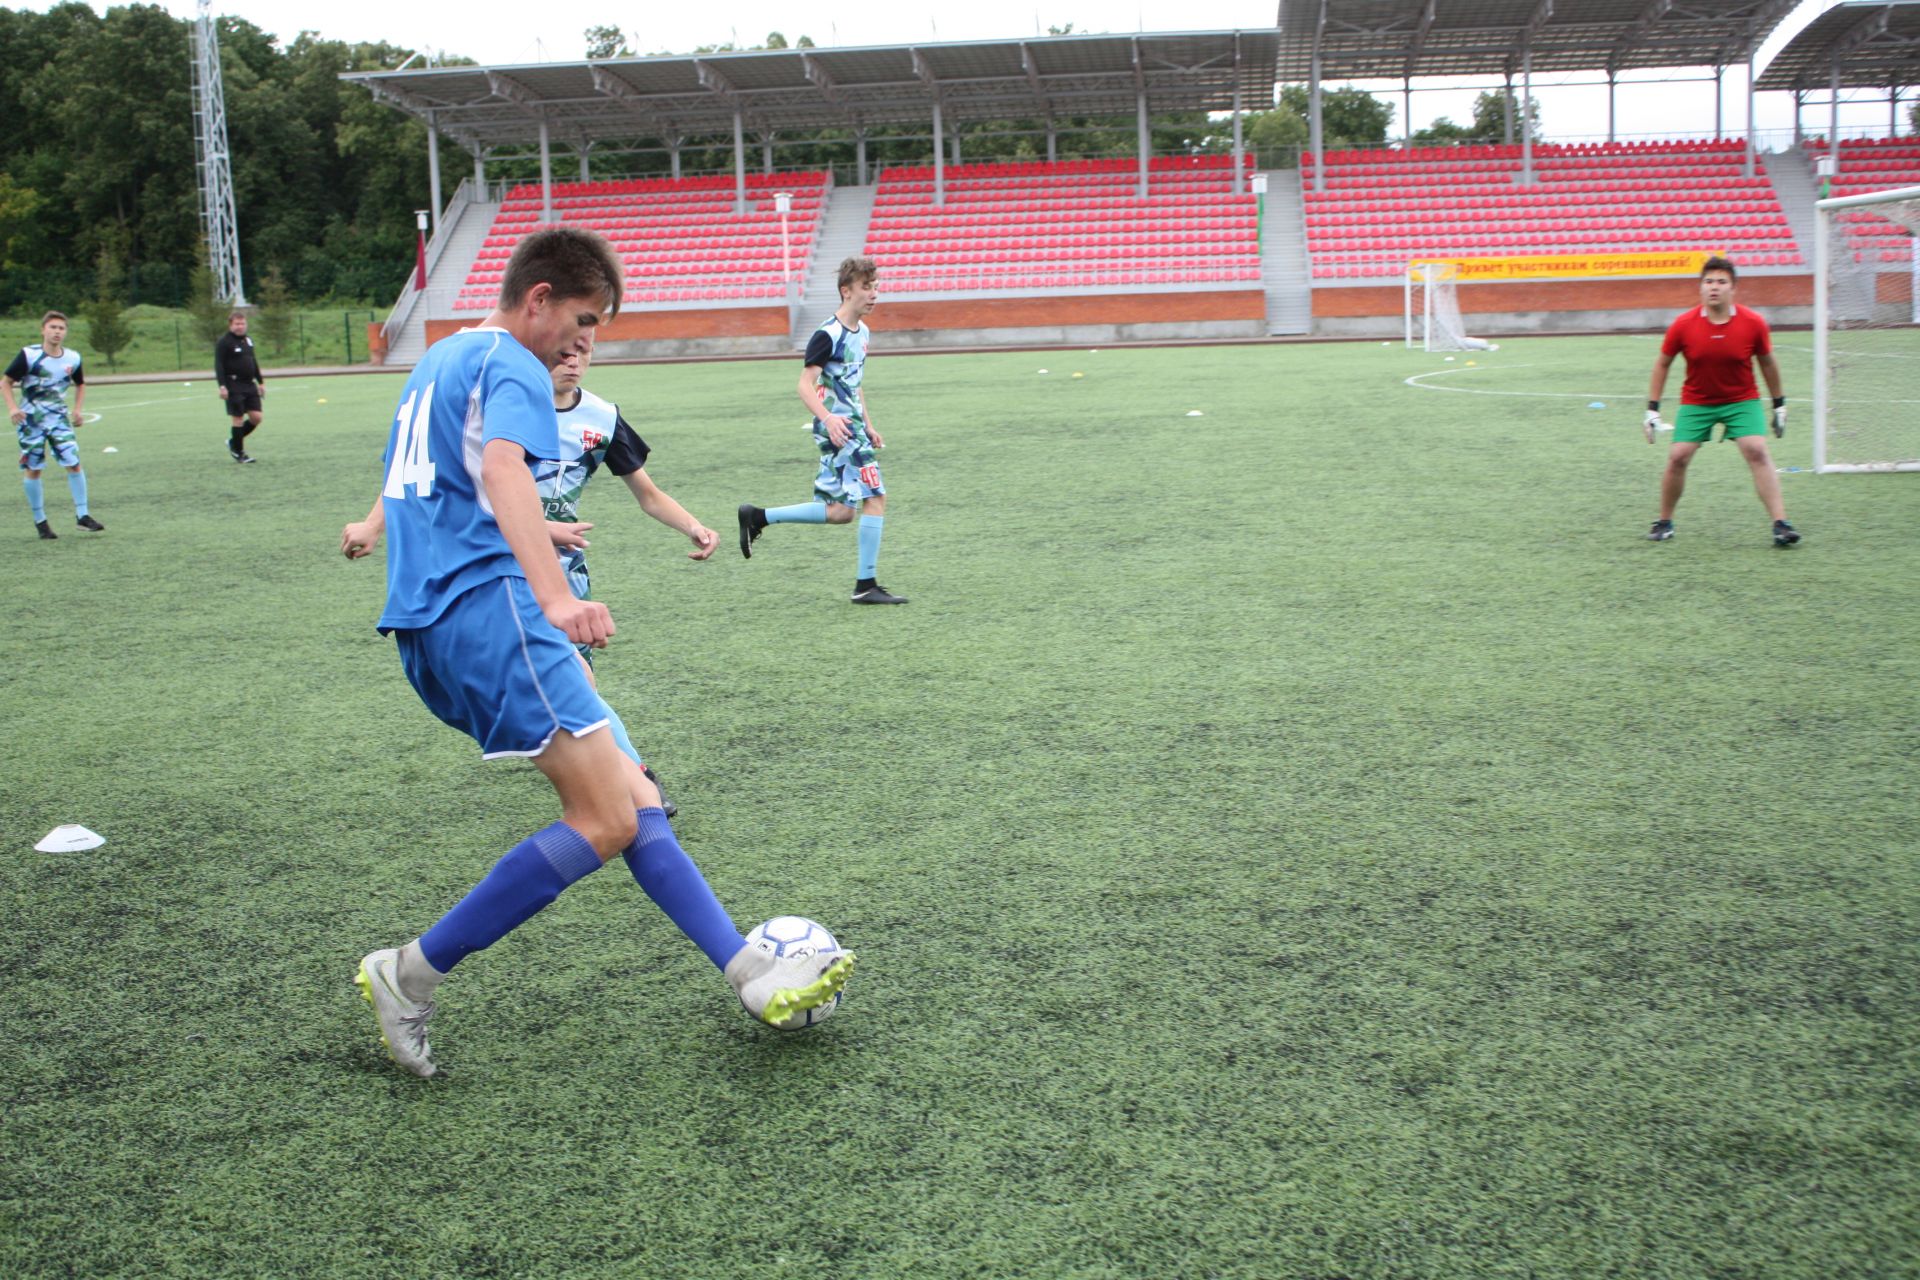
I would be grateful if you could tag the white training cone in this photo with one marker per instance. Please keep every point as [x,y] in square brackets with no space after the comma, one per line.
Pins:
[1195,413]
[1043,371]
[109,449]
[70,837]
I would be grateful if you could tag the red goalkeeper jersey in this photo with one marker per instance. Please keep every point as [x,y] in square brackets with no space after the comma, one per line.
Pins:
[1719,356]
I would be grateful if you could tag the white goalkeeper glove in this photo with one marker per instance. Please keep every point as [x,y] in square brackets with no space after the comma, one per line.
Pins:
[1652,424]
[1779,416]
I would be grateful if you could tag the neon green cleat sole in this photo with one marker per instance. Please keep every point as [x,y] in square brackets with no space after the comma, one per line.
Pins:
[789,1001]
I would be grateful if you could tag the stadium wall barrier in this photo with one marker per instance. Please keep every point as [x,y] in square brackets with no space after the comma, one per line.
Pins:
[1558,306]
[1202,306]
[719,331]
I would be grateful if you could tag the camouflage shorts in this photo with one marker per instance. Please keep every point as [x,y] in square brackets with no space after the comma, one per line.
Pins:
[849,474]
[44,431]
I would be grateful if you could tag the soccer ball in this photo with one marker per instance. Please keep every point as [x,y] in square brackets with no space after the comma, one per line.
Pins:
[806,942]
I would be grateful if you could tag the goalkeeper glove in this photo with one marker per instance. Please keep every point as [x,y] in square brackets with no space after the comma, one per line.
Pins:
[1652,422]
[1779,416]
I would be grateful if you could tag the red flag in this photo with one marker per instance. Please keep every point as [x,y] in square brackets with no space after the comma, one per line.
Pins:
[420,260]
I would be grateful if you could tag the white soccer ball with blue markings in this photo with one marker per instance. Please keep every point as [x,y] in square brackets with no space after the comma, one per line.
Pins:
[807,944]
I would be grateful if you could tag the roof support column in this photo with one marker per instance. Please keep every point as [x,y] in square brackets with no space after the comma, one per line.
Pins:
[1239,182]
[673,156]
[1719,122]
[1406,110]
[1610,105]
[1053,142]
[433,170]
[586,169]
[1833,120]
[1747,167]
[860,156]
[480,171]
[1314,137]
[546,174]
[1798,136]
[1526,116]
[1893,111]
[956,146]
[1509,106]
[1146,138]
[739,163]
[766,153]
[939,160]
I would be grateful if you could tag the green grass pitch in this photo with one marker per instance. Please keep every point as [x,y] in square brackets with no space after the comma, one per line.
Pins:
[1319,838]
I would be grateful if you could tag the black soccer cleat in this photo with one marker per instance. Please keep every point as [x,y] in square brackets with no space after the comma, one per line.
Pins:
[667,806]
[752,520]
[1661,531]
[876,594]
[238,455]
[90,524]
[46,531]
[1784,534]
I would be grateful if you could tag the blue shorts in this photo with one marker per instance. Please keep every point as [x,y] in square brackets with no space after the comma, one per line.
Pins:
[493,667]
[47,431]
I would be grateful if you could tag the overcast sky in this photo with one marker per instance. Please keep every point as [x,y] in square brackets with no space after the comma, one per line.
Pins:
[500,34]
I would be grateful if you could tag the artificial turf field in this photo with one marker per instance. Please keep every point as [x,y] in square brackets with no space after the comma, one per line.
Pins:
[1320,838]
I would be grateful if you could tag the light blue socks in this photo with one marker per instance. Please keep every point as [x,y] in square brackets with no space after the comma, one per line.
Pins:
[869,545]
[800,513]
[37,498]
[77,485]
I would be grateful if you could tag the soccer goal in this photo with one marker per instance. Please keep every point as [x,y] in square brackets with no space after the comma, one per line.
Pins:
[1432,308]
[1866,332]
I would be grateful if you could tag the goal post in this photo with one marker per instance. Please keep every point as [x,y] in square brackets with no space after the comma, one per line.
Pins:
[1866,332]
[1431,308]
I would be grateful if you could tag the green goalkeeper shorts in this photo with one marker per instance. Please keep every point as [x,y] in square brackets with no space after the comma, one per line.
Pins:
[1694,423]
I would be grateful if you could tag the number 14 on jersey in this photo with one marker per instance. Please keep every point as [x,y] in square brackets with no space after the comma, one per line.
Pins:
[411,464]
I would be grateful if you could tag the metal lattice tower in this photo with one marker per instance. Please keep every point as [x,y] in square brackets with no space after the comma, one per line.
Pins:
[210,155]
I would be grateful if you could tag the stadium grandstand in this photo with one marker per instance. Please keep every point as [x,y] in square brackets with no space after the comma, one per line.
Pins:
[1148,246]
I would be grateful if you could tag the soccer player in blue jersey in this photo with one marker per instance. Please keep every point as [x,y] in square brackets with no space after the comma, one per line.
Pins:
[592,434]
[835,364]
[485,625]
[41,421]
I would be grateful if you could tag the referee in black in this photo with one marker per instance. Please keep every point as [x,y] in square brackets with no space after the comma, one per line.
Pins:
[241,386]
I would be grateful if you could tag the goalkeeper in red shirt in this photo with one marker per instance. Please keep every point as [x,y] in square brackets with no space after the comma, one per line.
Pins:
[1722,342]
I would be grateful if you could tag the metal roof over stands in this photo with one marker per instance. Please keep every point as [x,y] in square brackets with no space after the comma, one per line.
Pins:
[789,89]
[1856,45]
[1398,39]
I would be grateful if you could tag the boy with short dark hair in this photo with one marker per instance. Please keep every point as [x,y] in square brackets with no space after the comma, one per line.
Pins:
[849,473]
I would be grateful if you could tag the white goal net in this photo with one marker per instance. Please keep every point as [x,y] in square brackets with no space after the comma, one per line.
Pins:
[1432,308]
[1866,333]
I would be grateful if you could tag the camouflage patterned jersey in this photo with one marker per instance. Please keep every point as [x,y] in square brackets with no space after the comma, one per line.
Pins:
[840,354]
[591,433]
[43,381]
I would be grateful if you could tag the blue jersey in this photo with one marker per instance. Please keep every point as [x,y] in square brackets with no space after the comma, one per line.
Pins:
[472,387]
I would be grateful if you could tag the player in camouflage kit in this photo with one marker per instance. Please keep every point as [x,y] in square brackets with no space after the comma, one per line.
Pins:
[849,472]
[43,373]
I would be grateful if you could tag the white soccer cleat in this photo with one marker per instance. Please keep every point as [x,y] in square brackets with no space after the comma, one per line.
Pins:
[403,1024]
[781,992]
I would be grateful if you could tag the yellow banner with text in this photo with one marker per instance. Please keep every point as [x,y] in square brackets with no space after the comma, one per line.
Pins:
[1687,263]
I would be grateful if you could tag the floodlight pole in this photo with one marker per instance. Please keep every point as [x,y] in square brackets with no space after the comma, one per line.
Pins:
[218,222]
[783,202]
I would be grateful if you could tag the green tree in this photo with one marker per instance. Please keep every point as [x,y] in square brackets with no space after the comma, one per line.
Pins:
[17,207]
[1349,117]
[1276,135]
[276,310]
[1443,132]
[607,42]
[207,313]
[107,329]
[1490,116]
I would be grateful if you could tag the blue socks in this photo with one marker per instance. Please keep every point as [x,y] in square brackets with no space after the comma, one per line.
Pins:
[531,875]
[77,485]
[869,545]
[676,886]
[37,499]
[800,513]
